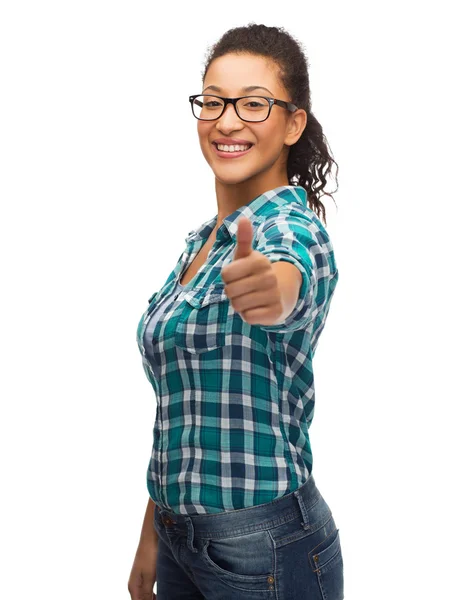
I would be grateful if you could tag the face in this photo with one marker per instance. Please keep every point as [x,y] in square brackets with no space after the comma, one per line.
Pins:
[266,160]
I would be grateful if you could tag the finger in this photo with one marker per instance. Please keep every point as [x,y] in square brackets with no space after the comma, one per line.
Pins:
[244,238]
[257,282]
[249,268]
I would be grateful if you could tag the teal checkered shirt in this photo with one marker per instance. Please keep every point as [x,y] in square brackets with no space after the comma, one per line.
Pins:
[235,401]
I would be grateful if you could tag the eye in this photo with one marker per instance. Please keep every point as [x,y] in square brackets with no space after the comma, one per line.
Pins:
[212,103]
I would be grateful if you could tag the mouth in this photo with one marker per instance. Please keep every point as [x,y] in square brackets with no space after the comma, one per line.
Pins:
[235,154]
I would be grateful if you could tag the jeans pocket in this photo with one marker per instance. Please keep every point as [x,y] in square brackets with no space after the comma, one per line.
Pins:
[303,525]
[201,326]
[326,561]
[246,561]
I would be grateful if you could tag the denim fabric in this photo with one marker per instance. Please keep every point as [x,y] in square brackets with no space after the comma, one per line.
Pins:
[288,549]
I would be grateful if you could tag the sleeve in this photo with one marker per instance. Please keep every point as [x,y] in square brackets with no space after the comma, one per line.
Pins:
[292,236]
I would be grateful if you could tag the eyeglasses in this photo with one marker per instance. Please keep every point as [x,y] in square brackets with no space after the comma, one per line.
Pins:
[253,109]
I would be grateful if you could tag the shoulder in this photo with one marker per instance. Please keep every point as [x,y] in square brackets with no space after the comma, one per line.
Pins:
[292,218]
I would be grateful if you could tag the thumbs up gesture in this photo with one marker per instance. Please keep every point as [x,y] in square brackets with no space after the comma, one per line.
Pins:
[251,283]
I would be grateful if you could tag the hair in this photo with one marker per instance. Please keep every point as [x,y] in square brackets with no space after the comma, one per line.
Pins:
[309,159]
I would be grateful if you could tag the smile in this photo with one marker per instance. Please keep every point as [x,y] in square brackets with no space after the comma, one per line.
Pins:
[234,154]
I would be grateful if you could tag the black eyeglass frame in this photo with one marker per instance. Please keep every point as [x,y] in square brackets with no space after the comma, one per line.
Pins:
[288,105]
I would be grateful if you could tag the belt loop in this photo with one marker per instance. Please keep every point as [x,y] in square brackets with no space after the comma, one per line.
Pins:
[306,521]
[190,535]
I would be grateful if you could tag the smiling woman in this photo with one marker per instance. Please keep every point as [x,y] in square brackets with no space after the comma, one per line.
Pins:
[229,350]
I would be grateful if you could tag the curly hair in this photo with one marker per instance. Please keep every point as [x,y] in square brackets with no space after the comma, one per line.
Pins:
[309,159]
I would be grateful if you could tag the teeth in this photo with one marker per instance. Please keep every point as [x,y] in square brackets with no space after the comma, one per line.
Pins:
[235,148]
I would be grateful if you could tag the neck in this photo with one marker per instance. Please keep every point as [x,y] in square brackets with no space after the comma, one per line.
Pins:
[230,197]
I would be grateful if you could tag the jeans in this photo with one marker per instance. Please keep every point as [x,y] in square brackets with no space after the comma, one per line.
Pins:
[288,549]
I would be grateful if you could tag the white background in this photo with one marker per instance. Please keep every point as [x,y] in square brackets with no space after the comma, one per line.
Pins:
[100,186]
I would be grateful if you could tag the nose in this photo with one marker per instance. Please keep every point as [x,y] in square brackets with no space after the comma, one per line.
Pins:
[229,117]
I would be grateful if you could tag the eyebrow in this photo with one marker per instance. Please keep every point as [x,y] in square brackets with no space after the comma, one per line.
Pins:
[249,88]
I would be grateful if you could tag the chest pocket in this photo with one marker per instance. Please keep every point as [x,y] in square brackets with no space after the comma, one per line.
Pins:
[202,324]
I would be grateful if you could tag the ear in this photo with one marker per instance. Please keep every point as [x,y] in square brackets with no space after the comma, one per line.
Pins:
[296,125]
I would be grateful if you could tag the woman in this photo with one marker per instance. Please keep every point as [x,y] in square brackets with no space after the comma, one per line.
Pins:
[227,344]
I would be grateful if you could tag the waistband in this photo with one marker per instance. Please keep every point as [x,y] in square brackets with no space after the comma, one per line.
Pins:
[245,520]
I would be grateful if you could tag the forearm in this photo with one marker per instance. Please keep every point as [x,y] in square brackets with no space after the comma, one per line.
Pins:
[148,534]
[289,282]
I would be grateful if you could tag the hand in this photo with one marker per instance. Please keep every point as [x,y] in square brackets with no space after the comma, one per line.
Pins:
[251,283]
[143,573]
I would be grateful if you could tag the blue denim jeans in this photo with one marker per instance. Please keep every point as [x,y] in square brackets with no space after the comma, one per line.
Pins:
[288,549]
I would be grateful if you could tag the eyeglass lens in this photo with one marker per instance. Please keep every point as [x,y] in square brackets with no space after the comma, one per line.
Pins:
[250,108]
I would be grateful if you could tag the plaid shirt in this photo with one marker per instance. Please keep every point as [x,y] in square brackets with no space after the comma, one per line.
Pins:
[234,400]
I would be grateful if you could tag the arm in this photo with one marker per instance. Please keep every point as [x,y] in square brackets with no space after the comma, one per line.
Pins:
[143,573]
[148,533]
[289,282]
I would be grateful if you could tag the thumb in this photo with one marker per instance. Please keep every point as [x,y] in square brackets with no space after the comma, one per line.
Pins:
[244,238]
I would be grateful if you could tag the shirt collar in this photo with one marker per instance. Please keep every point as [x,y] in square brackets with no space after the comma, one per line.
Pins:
[255,209]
